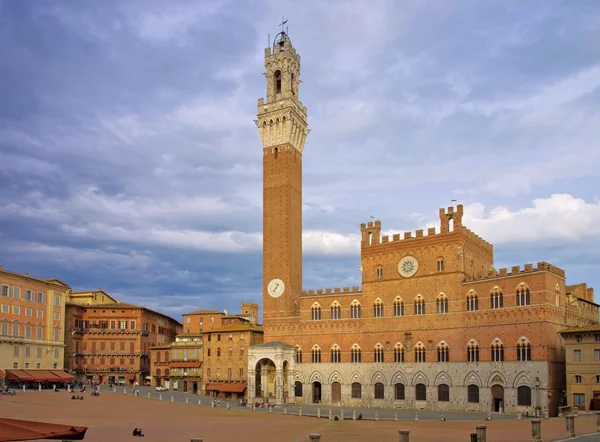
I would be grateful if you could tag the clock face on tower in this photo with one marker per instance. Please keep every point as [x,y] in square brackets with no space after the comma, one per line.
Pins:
[275,288]
[408,266]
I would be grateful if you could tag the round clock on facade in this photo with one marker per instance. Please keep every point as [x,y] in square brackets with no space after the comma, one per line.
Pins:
[408,266]
[275,288]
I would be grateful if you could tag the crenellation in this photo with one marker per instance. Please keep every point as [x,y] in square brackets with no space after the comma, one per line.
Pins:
[419,233]
[385,239]
[528,268]
[336,290]
[346,289]
[431,231]
[407,235]
[319,291]
[515,269]
[396,237]
[503,271]
[328,291]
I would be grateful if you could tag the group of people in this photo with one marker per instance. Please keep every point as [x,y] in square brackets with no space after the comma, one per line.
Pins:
[77,397]
[138,432]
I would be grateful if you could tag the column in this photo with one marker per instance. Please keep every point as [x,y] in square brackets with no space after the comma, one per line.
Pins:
[279,386]
[570,425]
[481,433]
[264,381]
[251,387]
[292,388]
[536,430]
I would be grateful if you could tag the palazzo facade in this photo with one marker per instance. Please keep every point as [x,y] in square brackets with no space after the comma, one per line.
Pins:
[434,324]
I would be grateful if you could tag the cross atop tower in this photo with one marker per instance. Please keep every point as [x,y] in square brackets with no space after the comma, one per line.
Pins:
[283,22]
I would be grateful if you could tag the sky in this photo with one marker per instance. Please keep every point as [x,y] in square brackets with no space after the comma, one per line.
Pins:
[129,159]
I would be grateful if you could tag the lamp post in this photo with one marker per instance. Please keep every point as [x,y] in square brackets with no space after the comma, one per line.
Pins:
[538,408]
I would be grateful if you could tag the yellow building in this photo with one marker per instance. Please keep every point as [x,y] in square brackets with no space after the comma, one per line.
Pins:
[582,346]
[178,366]
[32,323]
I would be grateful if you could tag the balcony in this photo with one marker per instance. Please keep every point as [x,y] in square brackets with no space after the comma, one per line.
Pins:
[100,353]
[109,331]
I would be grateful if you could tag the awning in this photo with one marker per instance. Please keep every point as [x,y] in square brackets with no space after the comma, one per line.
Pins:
[184,364]
[38,376]
[130,377]
[17,429]
[224,387]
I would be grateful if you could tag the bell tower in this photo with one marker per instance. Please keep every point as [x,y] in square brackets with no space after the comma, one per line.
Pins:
[282,126]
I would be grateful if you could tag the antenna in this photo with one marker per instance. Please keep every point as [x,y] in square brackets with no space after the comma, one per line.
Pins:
[268,40]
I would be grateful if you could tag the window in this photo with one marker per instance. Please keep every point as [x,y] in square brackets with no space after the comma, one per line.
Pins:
[57,300]
[443,352]
[524,396]
[16,350]
[298,389]
[523,351]
[578,338]
[597,355]
[335,311]
[241,351]
[578,379]
[241,372]
[378,309]
[4,329]
[577,355]
[57,334]
[38,352]
[16,310]
[597,377]
[57,316]
[398,307]
[442,304]
[5,291]
[496,298]
[440,265]
[218,337]
[398,353]
[523,295]
[56,353]
[356,390]
[17,292]
[336,355]
[28,295]
[28,331]
[298,355]
[497,351]
[316,355]
[188,320]
[15,365]
[419,305]
[230,352]
[27,352]
[379,273]
[473,352]
[378,354]
[379,390]
[420,352]
[229,373]
[316,312]
[355,310]
[218,351]
[355,354]
[28,311]
[277,76]
[208,352]
[399,392]
[579,401]
[5,308]
[472,302]
[16,329]
[41,298]
[38,365]
[473,393]
[420,392]
[443,393]
[597,338]
[40,313]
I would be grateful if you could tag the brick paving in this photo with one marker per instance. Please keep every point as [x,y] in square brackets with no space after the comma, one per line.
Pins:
[113,416]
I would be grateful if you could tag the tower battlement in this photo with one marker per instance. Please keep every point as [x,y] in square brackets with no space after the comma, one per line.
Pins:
[331,291]
[371,231]
[541,266]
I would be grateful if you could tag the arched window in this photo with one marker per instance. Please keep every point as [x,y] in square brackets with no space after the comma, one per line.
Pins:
[355,309]
[316,355]
[497,351]
[356,390]
[398,307]
[157,356]
[379,273]
[166,356]
[355,354]
[472,301]
[443,352]
[420,392]
[440,265]
[496,298]
[398,353]
[399,392]
[298,389]
[420,352]
[442,303]
[298,355]
[277,77]
[316,312]
[524,396]
[378,308]
[472,351]
[158,372]
[419,305]
[473,394]
[378,353]
[336,354]
[443,393]
[523,295]
[523,350]
[166,372]
[335,310]
[379,390]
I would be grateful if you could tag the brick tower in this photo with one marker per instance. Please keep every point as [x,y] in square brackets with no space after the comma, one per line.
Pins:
[281,122]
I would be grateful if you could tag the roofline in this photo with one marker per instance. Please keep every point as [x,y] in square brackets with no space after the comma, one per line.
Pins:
[48,281]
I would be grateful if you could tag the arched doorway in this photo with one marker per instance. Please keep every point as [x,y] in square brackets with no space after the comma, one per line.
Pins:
[316,392]
[185,386]
[498,398]
[336,393]
[265,380]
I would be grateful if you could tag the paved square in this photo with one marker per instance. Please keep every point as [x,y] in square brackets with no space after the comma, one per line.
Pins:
[114,416]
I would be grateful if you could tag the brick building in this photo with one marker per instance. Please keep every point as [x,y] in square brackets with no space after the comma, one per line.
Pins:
[434,324]
[583,365]
[109,341]
[32,322]
[212,355]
